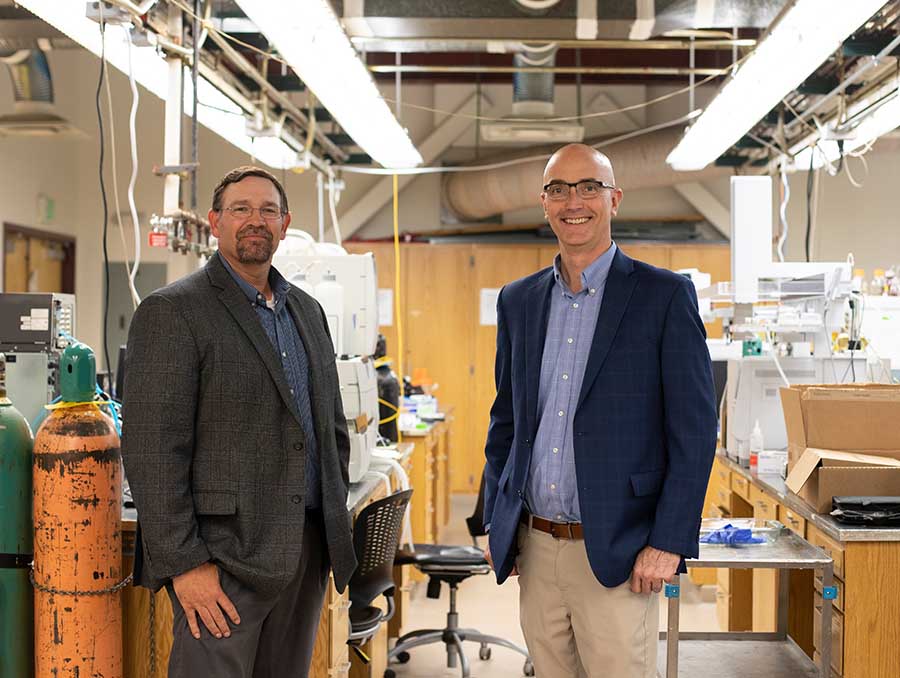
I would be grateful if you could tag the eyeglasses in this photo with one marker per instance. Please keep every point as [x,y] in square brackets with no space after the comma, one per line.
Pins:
[586,189]
[244,212]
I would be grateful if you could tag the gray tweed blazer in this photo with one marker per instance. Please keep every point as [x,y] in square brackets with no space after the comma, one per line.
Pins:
[213,447]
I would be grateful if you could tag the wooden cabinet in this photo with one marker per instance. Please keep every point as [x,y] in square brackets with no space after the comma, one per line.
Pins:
[837,635]
[765,582]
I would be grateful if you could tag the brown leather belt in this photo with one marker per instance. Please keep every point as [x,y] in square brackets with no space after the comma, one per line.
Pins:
[556,530]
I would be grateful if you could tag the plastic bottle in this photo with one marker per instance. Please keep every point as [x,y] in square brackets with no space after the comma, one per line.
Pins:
[301,281]
[756,445]
[330,293]
[876,287]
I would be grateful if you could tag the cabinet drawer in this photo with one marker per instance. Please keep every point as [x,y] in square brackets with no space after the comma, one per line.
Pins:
[837,634]
[740,486]
[765,507]
[721,475]
[829,545]
[718,512]
[723,499]
[839,601]
[793,521]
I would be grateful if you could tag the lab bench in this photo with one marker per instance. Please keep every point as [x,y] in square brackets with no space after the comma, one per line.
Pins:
[866,619]
[331,656]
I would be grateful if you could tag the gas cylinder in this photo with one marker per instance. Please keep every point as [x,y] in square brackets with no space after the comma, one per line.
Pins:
[16,602]
[77,538]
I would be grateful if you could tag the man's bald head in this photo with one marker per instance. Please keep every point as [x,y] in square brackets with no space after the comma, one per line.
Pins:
[576,159]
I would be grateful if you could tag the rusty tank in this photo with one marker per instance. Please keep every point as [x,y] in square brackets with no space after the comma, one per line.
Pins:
[77,477]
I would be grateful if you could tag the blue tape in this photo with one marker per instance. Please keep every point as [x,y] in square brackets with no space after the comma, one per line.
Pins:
[672,590]
[830,593]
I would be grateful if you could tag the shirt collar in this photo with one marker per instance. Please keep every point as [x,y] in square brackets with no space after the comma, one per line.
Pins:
[279,285]
[594,275]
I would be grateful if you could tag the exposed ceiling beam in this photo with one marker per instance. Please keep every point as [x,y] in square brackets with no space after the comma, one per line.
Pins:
[707,204]
[443,136]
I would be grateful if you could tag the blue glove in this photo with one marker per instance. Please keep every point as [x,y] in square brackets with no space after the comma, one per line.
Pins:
[731,536]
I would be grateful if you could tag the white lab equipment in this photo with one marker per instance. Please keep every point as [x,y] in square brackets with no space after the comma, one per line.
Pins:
[359,398]
[356,275]
[330,294]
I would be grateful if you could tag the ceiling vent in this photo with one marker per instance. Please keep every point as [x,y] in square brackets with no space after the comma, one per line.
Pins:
[34,114]
[532,110]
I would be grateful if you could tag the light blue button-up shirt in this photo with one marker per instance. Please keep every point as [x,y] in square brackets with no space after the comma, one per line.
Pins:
[552,486]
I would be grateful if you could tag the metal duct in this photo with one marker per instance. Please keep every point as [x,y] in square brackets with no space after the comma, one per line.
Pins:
[30,75]
[638,163]
[614,19]
[533,92]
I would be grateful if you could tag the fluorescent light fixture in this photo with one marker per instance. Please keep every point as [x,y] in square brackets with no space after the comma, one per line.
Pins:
[878,114]
[807,34]
[310,38]
[220,114]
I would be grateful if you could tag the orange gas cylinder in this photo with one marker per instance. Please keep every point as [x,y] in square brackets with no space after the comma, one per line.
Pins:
[77,538]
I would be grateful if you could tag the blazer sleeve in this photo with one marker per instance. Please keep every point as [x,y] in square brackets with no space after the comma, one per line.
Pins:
[689,425]
[500,429]
[161,386]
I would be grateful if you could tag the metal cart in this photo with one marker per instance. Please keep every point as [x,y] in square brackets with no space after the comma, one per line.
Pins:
[756,655]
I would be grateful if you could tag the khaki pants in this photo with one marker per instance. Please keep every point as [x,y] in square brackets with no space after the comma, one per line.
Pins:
[567,615]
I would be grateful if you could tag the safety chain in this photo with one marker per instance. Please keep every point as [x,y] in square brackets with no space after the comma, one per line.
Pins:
[59,592]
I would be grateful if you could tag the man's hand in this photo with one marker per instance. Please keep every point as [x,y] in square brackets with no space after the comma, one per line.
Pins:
[487,556]
[199,593]
[651,568]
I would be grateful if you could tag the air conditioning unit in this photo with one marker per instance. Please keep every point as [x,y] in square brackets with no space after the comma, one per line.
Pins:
[512,131]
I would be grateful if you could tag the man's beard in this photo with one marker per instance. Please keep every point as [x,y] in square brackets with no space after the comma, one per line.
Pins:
[254,251]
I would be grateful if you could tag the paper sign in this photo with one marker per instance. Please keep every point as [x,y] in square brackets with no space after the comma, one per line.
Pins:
[385,307]
[488,310]
[159,239]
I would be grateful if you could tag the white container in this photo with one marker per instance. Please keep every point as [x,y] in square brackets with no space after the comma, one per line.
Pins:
[756,444]
[300,280]
[330,293]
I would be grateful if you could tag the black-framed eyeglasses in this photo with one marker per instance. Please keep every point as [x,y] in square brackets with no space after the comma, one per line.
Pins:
[244,212]
[586,189]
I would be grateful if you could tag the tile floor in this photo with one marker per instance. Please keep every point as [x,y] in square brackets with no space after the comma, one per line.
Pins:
[494,610]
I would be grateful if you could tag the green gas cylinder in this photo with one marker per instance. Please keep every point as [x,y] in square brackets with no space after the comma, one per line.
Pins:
[16,600]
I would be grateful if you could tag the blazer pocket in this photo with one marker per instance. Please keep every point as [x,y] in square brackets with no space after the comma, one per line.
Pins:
[647,483]
[215,503]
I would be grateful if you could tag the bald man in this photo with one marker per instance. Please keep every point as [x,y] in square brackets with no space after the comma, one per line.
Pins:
[601,438]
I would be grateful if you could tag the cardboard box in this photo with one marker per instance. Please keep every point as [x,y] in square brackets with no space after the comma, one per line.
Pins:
[851,417]
[820,475]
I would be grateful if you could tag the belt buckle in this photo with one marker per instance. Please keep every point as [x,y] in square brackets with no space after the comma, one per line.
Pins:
[554,531]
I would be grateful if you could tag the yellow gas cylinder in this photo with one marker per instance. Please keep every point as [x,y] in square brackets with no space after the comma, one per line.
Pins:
[77,538]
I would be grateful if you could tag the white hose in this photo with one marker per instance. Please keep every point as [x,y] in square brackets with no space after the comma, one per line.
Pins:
[537,4]
[132,121]
[332,201]
[782,213]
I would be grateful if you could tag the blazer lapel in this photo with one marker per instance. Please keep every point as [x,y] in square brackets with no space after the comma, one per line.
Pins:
[619,285]
[241,310]
[536,317]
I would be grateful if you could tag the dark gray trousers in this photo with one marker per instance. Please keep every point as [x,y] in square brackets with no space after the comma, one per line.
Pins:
[276,635]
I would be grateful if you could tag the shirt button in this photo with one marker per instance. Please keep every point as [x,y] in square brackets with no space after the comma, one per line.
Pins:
[283,354]
[559,516]
[552,487]
[570,340]
[575,305]
[292,391]
[296,499]
[593,291]
[555,450]
[565,377]
[561,413]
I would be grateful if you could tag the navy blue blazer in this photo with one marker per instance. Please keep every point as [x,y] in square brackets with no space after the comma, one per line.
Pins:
[644,428]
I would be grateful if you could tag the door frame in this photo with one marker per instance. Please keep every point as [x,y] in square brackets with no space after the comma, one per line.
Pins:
[68,270]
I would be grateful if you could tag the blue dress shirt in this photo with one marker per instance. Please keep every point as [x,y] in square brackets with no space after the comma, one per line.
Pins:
[552,491]
[286,340]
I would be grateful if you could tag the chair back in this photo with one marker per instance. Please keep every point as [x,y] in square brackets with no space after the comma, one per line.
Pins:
[376,535]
